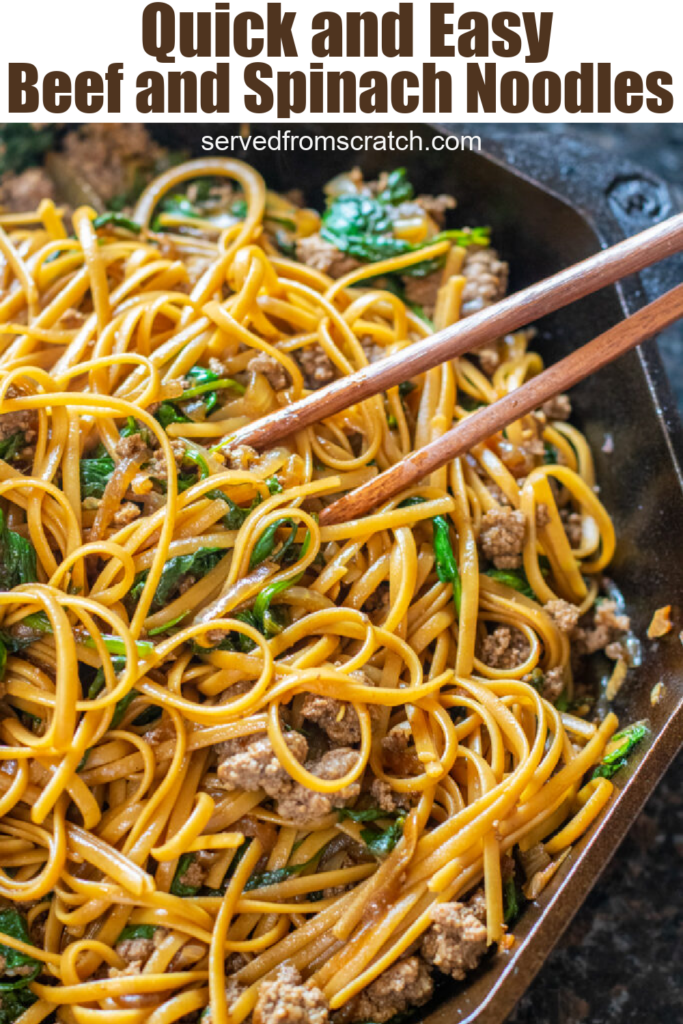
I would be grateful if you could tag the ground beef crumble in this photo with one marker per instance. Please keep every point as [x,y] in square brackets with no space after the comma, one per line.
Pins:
[423,291]
[316,366]
[23,193]
[272,370]
[573,526]
[285,1000]
[250,763]
[504,648]
[336,718]
[405,984]
[456,941]
[553,683]
[388,799]
[564,615]
[486,279]
[315,252]
[502,537]
[558,408]
[302,805]
[599,634]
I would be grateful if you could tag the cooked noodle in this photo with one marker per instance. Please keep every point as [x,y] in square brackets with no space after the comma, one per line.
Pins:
[100,800]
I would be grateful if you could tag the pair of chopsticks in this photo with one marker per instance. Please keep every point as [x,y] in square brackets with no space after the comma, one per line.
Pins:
[581,279]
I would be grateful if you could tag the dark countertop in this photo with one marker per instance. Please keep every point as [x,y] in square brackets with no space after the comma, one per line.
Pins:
[616,962]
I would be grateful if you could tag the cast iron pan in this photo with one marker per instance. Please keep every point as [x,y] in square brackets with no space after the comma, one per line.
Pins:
[550,202]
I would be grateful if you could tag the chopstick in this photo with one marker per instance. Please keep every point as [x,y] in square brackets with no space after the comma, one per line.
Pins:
[483,424]
[517,310]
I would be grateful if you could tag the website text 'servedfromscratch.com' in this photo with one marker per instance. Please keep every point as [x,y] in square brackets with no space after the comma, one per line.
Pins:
[286,141]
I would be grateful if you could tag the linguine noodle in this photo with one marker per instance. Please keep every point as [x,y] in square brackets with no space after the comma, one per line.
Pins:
[124,693]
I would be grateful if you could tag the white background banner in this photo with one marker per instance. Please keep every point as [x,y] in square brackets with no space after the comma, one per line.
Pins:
[595,61]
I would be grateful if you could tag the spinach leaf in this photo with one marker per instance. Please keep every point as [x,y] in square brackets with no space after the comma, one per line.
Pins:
[362,227]
[40,625]
[397,189]
[14,1004]
[197,563]
[206,384]
[239,208]
[22,146]
[17,558]
[158,630]
[179,888]
[239,855]
[274,485]
[280,874]
[167,414]
[365,814]
[137,931]
[268,624]
[12,445]
[265,545]
[117,220]
[95,475]
[419,312]
[13,924]
[511,901]
[626,740]
[446,565]
[381,842]
[515,578]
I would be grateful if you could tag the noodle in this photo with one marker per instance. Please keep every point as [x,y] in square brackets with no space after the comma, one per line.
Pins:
[233,740]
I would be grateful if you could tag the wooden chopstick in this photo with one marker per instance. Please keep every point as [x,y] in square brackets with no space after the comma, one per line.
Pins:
[577,281]
[488,421]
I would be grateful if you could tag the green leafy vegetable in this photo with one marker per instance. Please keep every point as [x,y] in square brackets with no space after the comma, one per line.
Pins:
[419,312]
[511,901]
[95,475]
[12,445]
[17,558]
[362,227]
[3,659]
[205,384]
[381,842]
[239,208]
[514,578]
[265,545]
[268,624]
[14,1004]
[397,189]
[167,414]
[192,455]
[197,563]
[158,630]
[549,454]
[179,888]
[13,924]
[274,485]
[364,814]
[117,220]
[626,740]
[41,625]
[446,565]
[137,931]
[280,874]
[22,146]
